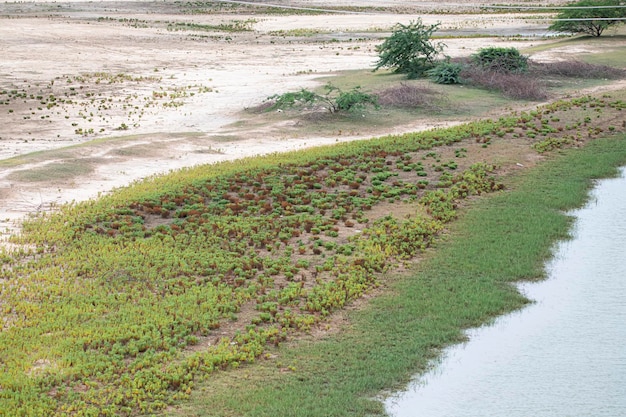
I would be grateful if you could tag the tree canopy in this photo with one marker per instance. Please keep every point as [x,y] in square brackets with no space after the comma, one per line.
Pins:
[409,49]
[590,17]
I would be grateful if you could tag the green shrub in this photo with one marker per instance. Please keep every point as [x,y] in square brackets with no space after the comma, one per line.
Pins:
[501,60]
[282,101]
[446,73]
[334,99]
[353,100]
[409,49]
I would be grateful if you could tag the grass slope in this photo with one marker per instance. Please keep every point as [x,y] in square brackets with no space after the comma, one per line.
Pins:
[464,283]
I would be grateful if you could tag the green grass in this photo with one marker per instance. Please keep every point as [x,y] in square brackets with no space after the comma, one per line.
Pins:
[464,283]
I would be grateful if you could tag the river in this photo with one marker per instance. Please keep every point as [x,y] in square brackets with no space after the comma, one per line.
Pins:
[565,354]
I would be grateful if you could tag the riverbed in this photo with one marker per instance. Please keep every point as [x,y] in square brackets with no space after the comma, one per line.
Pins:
[561,356]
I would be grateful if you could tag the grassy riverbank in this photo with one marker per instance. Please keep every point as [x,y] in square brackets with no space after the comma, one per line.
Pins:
[463,283]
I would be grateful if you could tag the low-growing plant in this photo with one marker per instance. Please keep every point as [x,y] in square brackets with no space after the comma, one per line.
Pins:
[333,99]
[446,73]
[125,302]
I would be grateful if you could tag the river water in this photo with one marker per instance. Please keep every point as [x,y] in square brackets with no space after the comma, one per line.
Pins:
[564,355]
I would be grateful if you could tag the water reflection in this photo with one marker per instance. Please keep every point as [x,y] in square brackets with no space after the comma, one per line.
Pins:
[563,355]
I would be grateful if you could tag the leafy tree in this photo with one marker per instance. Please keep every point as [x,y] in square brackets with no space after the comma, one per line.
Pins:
[334,99]
[590,17]
[409,50]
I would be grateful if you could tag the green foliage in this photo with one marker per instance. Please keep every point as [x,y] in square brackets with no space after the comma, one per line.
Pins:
[446,73]
[353,100]
[409,50]
[581,17]
[334,99]
[299,98]
[502,60]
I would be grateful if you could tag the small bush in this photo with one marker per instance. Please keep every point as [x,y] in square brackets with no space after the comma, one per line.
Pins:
[446,73]
[334,99]
[501,60]
[282,101]
[516,86]
[408,96]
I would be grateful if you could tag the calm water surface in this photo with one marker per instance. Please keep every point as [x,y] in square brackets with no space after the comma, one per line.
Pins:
[563,356]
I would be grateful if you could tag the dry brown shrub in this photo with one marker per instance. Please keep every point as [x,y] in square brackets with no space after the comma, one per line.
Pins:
[517,86]
[576,69]
[409,96]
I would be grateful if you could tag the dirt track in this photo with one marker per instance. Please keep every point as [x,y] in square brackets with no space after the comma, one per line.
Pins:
[78,72]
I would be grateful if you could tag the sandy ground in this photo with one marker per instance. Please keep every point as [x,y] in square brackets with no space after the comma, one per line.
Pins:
[74,74]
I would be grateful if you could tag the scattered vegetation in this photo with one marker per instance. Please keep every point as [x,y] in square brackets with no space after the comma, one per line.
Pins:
[581,17]
[333,99]
[96,103]
[465,283]
[230,26]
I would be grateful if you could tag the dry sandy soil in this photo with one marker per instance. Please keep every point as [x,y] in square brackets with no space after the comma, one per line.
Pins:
[111,92]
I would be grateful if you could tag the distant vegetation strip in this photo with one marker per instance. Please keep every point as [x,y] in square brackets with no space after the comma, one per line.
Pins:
[122,305]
